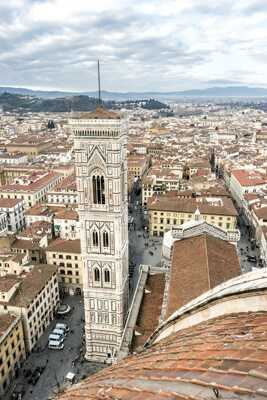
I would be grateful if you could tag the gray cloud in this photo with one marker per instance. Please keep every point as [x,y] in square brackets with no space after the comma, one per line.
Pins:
[150,46]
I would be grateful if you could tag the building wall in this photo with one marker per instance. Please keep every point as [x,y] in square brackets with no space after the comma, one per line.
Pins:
[38,315]
[159,186]
[162,221]
[3,223]
[67,229]
[14,160]
[31,150]
[12,354]
[70,270]
[62,198]
[30,219]
[30,197]
[15,217]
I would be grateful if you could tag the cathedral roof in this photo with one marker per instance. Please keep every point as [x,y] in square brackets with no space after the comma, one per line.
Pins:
[216,348]
[198,264]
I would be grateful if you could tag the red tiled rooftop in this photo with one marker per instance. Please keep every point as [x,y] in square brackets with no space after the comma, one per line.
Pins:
[68,183]
[172,203]
[150,310]
[226,355]
[65,246]
[67,213]
[5,322]
[9,203]
[198,264]
[36,185]
[249,178]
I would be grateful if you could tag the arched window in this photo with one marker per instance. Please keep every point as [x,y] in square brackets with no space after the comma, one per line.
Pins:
[95,238]
[96,275]
[107,276]
[98,189]
[105,239]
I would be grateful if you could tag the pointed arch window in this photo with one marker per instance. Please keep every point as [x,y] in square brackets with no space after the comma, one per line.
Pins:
[96,275]
[98,189]
[107,276]
[105,239]
[95,238]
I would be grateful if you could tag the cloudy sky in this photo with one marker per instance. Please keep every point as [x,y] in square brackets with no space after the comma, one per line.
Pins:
[142,45]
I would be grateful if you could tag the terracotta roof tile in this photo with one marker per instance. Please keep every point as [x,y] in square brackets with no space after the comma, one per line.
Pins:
[174,204]
[5,322]
[65,246]
[199,264]
[179,366]
[150,310]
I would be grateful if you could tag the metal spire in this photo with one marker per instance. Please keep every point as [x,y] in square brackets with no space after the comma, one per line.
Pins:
[99,87]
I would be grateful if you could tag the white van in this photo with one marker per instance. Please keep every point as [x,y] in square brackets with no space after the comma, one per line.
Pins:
[54,336]
[59,332]
[55,344]
[62,326]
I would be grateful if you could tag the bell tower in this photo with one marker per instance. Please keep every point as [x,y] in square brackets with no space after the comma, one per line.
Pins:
[100,140]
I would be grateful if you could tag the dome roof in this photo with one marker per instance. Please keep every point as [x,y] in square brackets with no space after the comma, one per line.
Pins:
[219,355]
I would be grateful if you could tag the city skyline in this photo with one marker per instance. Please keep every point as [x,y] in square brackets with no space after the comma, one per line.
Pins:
[54,45]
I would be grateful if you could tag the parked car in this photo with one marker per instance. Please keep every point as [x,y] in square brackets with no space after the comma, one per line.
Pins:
[55,336]
[55,345]
[62,326]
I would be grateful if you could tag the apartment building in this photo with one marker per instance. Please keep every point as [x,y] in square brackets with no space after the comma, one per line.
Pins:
[38,213]
[13,159]
[159,182]
[66,256]
[67,224]
[137,165]
[31,189]
[12,349]
[34,296]
[9,172]
[166,211]
[194,168]
[3,223]
[243,181]
[14,210]
[64,193]
[31,146]
[12,264]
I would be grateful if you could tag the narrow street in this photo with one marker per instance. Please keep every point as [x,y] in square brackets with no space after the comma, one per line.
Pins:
[245,249]
[57,363]
[142,249]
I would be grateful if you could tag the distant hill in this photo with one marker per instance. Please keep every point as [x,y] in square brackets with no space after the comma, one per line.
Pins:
[227,91]
[28,103]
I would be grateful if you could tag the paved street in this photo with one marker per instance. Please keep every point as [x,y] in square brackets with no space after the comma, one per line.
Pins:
[142,249]
[59,362]
[245,250]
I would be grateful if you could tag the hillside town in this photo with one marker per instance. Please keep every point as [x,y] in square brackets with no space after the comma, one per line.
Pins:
[196,189]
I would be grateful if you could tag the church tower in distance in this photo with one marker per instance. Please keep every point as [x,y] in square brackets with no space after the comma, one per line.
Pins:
[100,140]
